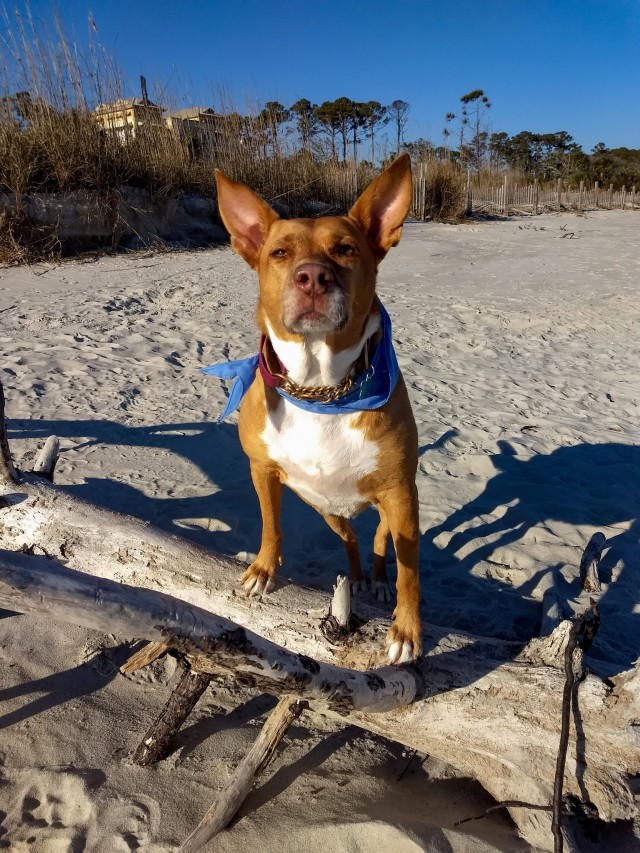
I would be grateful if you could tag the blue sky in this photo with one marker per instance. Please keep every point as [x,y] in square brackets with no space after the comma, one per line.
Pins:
[546,65]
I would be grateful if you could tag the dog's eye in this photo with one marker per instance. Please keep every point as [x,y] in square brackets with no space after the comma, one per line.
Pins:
[345,250]
[278,253]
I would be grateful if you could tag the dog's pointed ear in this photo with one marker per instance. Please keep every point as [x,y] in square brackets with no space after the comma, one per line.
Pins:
[246,217]
[384,205]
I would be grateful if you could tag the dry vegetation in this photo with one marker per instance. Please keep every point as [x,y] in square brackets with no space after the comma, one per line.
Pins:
[50,142]
[440,191]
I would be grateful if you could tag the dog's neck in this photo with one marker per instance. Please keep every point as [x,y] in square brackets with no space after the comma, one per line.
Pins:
[310,361]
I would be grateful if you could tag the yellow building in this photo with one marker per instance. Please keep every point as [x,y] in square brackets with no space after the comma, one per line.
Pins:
[126,116]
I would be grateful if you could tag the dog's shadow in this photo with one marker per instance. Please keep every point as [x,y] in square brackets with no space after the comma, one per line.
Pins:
[586,485]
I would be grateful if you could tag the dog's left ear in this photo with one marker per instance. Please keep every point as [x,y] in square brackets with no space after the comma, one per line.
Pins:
[384,205]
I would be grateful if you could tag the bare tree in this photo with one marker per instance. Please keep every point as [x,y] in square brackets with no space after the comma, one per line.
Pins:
[474,107]
[446,132]
[399,112]
[374,117]
[327,116]
[303,113]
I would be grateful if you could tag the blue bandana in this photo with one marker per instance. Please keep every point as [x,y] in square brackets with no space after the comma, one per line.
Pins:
[371,389]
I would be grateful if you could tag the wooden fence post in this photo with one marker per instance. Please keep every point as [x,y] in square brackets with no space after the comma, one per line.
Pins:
[580,196]
[595,194]
[610,205]
[633,197]
[534,197]
[469,210]
[623,196]
[505,203]
[559,194]
[423,194]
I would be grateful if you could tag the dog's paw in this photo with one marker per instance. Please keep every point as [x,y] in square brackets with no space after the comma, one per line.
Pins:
[358,587]
[400,653]
[381,590]
[404,641]
[256,581]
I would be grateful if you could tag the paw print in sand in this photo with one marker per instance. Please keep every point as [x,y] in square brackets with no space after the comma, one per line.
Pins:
[51,813]
[129,825]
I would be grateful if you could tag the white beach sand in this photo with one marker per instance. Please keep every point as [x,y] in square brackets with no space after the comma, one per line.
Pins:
[520,345]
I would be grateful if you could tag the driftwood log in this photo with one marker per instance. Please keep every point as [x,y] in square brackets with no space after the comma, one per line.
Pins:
[590,563]
[156,742]
[489,708]
[224,808]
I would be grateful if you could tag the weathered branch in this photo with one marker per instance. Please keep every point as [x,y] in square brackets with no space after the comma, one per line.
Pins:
[492,717]
[143,657]
[7,471]
[43,585]
[233,795]
[47,459]
[155,744]
[339,622]
[341,602]
[507,804]
[583,629]
[590,563]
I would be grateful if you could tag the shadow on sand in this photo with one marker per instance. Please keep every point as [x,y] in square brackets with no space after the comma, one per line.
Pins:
[594,485]
[584,485]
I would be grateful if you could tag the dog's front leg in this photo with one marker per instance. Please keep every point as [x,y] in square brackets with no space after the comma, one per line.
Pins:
[345,531]
[400,505]
[259,576]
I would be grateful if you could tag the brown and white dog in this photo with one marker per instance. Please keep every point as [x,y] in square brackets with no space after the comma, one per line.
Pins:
[318,309]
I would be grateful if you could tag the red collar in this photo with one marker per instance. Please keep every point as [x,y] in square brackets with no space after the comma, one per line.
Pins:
[273,380]
[273,370]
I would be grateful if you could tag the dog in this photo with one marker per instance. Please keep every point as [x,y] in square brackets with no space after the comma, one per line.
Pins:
[324,409]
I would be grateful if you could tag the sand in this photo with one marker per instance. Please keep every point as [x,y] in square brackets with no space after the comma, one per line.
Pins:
[519,342]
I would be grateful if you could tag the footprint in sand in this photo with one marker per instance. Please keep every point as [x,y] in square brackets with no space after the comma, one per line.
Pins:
[129,825]
[51,812]
[130,396]
[130,305]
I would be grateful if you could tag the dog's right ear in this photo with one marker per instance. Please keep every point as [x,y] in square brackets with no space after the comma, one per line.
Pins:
[246,217]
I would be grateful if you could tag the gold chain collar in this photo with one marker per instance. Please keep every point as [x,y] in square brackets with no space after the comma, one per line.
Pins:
[323,393]
[317,393]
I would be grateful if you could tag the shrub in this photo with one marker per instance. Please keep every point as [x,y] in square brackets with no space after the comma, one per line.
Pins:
[445,198]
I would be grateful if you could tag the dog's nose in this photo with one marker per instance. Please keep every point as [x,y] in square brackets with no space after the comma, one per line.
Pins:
[313,278]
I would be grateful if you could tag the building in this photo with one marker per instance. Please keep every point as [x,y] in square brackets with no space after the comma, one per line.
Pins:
[198,126]
[126,116]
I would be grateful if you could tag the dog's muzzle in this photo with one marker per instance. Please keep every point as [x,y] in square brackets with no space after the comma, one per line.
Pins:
[314,301]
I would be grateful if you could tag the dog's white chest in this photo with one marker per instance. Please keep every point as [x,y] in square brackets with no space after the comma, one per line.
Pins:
[323,456]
